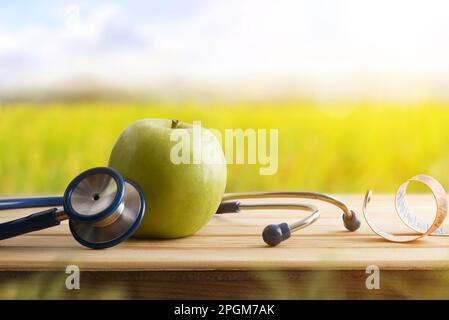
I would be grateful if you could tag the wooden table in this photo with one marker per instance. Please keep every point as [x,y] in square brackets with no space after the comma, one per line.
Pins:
[228,259]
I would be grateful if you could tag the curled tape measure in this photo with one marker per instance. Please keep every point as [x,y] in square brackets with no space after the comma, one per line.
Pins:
[410,220]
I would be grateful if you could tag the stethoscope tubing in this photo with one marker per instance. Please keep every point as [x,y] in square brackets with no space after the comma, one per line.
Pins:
[290,194]
[107,219]
[34,222]
[22,203]
[300,224]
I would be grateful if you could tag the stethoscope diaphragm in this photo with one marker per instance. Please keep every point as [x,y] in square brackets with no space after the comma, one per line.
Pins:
[115,228]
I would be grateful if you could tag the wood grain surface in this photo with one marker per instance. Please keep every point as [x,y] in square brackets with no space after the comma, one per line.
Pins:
[234,241]
[230,250]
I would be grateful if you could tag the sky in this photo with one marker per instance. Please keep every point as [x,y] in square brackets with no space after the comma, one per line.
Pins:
[317,47]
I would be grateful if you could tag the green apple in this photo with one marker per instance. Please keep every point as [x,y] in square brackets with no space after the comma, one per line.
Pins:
[181,193]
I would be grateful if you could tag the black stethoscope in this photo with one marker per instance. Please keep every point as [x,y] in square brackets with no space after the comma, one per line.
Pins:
[104,209]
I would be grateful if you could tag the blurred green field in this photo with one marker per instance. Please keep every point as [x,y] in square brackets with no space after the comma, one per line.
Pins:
[340,148]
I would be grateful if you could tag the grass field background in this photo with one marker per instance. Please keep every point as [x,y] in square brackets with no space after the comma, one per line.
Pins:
[339,147]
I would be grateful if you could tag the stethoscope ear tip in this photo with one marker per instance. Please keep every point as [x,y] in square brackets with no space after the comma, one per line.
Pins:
[351,223]
[273,234]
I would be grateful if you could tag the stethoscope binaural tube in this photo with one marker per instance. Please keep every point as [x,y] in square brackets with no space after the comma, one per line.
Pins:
[103,210]
[276,233]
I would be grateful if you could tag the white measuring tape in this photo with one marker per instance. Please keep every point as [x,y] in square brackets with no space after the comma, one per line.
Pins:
[410,220]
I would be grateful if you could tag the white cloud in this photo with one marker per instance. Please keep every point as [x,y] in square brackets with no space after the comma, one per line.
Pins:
[321,45]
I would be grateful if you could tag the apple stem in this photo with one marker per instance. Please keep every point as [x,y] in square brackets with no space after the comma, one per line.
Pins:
[174,124]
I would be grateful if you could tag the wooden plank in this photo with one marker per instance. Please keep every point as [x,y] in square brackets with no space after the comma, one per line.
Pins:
[232,284]
[233,242]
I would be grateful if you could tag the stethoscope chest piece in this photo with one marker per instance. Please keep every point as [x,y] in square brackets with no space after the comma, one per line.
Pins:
[104,209]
